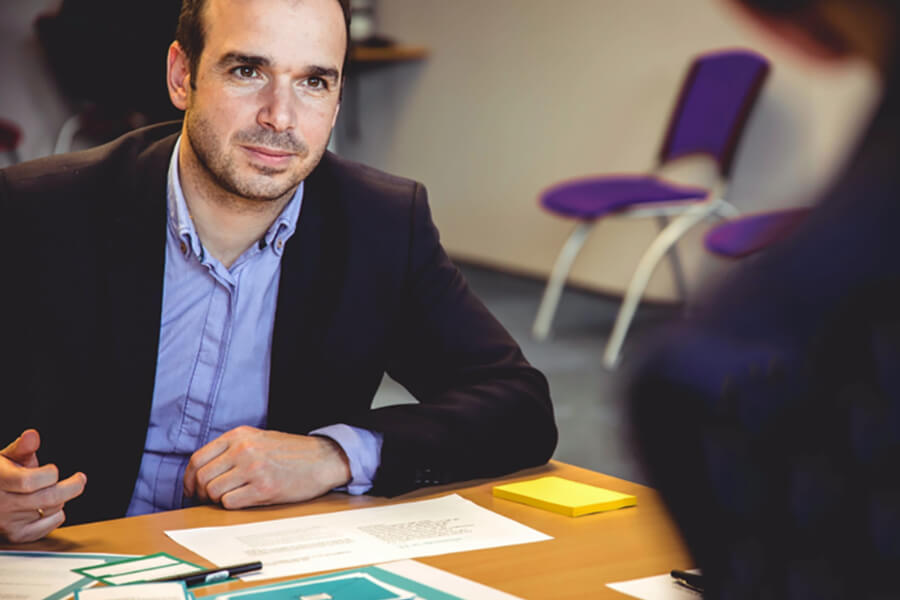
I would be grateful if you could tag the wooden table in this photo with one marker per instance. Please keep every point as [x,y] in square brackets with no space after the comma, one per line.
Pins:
[586,553]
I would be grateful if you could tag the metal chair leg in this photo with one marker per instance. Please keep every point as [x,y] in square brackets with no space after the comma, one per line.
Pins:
[66,135]
[675,263]
[550,300]
[647,265]
[726,210]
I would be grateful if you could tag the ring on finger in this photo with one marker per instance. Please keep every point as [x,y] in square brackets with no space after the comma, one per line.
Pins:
[40,512]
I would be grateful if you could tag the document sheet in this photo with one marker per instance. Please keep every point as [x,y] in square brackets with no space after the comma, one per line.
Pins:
[444,581]
[357,537]
[140,591]
[43,575]
[658,587]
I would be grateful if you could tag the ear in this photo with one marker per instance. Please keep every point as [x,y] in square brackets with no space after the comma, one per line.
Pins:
[178,76]
[337,109]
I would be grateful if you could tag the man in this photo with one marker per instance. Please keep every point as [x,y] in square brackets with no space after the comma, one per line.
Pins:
[770,421]
[205,317]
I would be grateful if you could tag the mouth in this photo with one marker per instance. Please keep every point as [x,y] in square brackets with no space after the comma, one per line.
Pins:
[269,156]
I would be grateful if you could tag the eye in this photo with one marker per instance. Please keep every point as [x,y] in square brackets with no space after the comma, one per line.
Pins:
[316,83]
[245,72]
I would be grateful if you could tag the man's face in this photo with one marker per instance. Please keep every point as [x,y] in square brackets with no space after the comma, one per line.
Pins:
[266,95]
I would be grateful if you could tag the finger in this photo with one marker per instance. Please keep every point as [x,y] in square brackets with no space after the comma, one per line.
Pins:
[66,490]
[24,516]
[244,496]
[23,480]
[50,510]
[24,506]
[225,483]
[209,473]
[24,449]
[29,514]
[35,530]
[199,459]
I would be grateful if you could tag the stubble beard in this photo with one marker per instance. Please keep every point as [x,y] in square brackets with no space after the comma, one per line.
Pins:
[221,170]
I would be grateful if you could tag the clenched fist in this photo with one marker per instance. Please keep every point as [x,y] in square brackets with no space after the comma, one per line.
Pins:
[253,467]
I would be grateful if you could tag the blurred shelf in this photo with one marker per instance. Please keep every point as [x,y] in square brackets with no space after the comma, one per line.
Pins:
[369,55]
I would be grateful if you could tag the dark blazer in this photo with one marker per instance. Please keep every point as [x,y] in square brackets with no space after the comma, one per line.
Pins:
[770,420]
[365,289]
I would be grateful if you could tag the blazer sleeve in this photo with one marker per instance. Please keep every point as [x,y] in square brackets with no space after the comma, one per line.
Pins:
[483,409]
[13,324]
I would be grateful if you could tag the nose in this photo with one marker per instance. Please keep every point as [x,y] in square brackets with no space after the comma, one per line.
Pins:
[277,111]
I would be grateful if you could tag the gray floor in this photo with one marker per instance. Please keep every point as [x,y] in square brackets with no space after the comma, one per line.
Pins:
[586,397]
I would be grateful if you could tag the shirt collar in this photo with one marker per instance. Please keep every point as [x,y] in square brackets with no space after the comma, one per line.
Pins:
[182,225]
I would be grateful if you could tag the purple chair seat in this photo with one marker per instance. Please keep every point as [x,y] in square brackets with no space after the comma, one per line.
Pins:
[594,197]
[747,235]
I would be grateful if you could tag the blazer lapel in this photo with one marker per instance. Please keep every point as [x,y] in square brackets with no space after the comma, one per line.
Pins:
[136,251]
[312,274]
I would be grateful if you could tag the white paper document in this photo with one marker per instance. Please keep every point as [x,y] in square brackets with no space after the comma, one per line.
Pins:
[357,537]
[140,591]
[658,587]
[36,576]
[445,581]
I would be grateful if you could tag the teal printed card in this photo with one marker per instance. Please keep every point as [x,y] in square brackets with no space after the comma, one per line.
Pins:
[369,583]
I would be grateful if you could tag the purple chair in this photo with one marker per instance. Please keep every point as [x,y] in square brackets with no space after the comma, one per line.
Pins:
[10,137]
[748,235]
[715,102]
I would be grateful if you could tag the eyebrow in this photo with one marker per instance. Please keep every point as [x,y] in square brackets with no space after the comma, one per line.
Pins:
[324,72]
[232,58]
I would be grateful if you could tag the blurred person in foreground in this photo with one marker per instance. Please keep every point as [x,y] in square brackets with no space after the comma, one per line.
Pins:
[770,421]
[202,312]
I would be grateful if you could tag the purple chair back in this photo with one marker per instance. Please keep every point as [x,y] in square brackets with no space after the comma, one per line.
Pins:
[715,102]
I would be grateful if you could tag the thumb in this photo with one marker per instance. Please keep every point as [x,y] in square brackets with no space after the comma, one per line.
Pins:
[23,450]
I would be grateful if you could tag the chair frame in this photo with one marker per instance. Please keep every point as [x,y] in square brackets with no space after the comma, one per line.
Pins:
[675,220]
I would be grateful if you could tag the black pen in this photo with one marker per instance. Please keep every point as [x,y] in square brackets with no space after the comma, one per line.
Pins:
[691,581]
[213,575]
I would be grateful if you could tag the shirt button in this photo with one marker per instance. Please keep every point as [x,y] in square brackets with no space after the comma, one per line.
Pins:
[279,244]
[183,248]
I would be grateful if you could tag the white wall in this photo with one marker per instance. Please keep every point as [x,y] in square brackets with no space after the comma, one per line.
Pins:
[28,95]
[519,94]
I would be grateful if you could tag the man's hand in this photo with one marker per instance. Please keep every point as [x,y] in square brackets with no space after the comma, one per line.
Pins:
[31,496]
[252,467]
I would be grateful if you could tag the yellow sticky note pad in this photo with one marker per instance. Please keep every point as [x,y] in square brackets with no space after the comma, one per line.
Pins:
[564,496]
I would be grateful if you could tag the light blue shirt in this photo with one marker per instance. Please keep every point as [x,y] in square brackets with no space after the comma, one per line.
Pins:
[215,346]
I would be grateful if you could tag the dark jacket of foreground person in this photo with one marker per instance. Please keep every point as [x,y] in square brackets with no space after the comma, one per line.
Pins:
[771,421]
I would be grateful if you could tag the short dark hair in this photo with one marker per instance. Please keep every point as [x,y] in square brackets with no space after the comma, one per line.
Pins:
[191,33]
